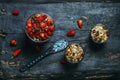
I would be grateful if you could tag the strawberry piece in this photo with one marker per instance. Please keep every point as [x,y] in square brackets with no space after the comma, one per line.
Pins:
[44,16]
[13,42]
[29,24]
[29,30]
[71,33]
[46,29]
[80,23]
[46,35]
[34,25]
[42,25]
[52,28]
[42,35]
[39,18]
[63,61]
[49,33]
[16,12]
[49,22]
[37,48]
[31,34]
[16,52]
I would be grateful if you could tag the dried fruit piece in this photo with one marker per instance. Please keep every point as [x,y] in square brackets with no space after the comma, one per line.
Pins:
[13,42]
[16,12]
[42,35]
[71,33]
[80,23]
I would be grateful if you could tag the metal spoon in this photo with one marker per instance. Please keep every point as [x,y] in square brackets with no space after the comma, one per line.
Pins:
[57,46]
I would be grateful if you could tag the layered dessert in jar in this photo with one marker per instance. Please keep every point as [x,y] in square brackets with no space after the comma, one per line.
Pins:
[40,27]
[99,33]
[74,53]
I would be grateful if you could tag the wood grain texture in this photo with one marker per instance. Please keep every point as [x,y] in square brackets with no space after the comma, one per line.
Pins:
[100,61]
[55,1]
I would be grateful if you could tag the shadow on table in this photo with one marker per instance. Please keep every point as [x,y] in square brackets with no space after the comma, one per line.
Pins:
[30,51]
[95,46]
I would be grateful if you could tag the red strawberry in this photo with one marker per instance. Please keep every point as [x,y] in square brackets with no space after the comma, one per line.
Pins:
[39,18]
[42,35]
[16,52]
[80,23]
[29,24]
[49,22]
[34,25]
[16,12]
[36,35]
[13,42]
[63,61]
[46,29]
[37,48]
[46,35]
[42,25]
[44,16]
[31,34]
[49,33]
[52,28]
[29,30]
[71,33]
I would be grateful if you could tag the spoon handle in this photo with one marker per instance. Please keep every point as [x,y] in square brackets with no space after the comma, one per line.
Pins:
[33,62]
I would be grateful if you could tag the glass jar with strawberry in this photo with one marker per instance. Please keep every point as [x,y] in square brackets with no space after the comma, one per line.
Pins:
[39,27]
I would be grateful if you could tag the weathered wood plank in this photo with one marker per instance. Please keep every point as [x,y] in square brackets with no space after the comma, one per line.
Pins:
[100,61]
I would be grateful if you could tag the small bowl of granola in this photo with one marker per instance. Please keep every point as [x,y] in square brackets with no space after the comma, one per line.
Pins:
[74,53]
[99,33]
[39,27]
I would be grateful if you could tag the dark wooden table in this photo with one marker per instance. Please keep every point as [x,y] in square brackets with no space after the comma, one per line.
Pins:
[100,61]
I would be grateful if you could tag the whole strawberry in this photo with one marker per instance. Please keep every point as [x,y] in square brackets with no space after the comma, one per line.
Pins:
[13,42]
[16,12]
[71,33]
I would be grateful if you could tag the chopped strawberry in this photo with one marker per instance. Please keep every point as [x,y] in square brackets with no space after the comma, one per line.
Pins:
[39,18]
[34,25]
[49,33]
[44,16]
[29,30]
[29,24]
[52,28]
[49,22]
[46,29]
[42,25]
